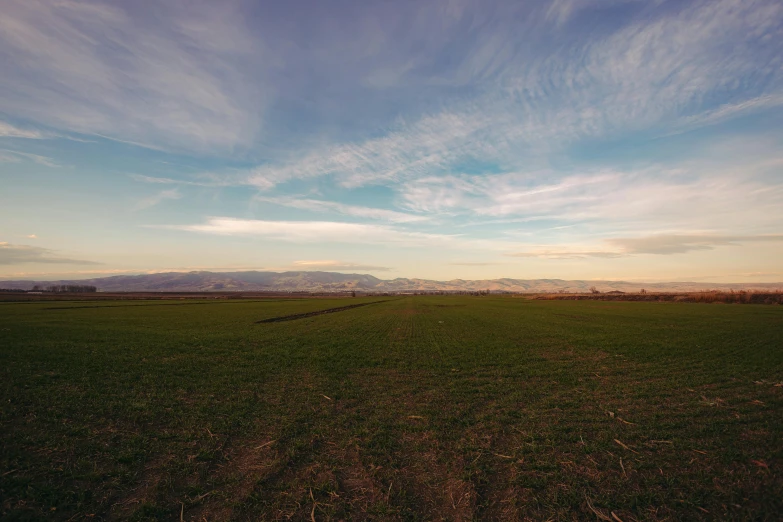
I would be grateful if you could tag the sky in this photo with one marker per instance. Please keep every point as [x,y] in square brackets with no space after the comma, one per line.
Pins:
[572,139]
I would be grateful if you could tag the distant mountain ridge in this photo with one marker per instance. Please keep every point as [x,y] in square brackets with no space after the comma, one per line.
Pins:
[257,281]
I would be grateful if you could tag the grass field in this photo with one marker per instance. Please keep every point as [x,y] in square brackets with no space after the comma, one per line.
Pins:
[414,408]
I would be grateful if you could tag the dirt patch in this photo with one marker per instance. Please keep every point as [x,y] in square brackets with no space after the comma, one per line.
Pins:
[234,480]
[153,480]
[326,480]
[436,481]
[359,484]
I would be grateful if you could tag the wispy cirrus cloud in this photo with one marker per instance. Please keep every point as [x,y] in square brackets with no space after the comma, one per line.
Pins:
[504,194]
[430,144]
[317,205]
[159,180]
[157,198]
[731,110]
[317,232]
[657,72]
[336,265]
[200,77]
[11,254]
[15,156]
[696,195]
[663,66]
[104,69]
[11,131]
[658,244]
[681,243]
[561,11]
[474,264]
[567,253]
[204,179]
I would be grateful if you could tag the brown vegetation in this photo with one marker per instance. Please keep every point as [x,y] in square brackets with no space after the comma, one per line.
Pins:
[741,297]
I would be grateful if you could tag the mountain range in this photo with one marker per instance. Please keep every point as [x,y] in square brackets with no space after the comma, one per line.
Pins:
[256,281]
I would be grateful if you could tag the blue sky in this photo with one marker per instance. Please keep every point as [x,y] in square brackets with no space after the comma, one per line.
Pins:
[576,139]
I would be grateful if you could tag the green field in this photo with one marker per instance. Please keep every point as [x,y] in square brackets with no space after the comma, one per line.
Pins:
[414,408]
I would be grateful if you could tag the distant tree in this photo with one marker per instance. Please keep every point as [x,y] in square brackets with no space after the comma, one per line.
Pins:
[643,291]
[594,290]
[59,289]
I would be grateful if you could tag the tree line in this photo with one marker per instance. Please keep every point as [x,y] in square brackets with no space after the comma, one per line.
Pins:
[62,289]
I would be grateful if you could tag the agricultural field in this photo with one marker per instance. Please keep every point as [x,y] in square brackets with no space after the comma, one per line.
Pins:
[405,408]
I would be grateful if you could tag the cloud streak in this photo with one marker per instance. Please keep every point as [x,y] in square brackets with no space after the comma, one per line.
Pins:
[316,232]
[336,265]
[15,156]
[11,131]
[659,244]
[697,195]
[656,72]
[11,254]
[102,69]
[315,205]
[158,198]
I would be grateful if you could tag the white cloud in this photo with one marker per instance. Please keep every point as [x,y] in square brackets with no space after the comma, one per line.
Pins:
[200,78]
[662,69]
[202,180]
[701,194]
[657,72]
[679,244]
[15,156]
[327,265]
[474,264]
[561,252]
[157,180]
[505,194]
[10,131]
[731,110]
[6,157]
[103,69]
[659,244]
[158,198]
[432,143]
[11,254]
[318,232]
[315,205]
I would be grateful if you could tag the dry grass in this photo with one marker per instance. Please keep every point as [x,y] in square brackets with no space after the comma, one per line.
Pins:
[741,297]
